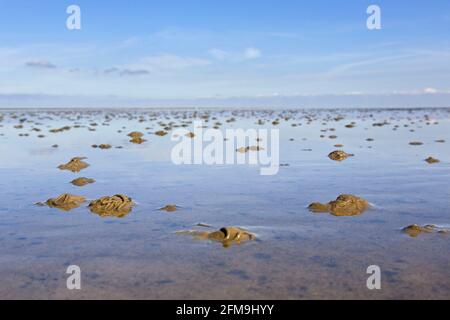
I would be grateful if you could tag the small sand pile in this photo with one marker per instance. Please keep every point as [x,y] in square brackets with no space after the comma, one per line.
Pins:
[339,155]
[169,208]
[81,182]
[432,160]
[227,236]
[344,205]
[115,206]
[250,148]
[103,146]
[136,137]
[414,230]
[65,202]
[75,165]
[66,128]
[161,133]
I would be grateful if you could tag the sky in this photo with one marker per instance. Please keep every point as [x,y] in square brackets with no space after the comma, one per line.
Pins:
[225,53]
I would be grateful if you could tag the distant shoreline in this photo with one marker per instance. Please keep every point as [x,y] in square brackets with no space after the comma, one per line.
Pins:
[143,109]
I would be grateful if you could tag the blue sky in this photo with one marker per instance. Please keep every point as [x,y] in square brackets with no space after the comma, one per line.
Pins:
[133,51]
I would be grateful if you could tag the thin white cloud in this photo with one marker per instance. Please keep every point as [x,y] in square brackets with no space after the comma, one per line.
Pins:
[172,62]
[430,90]
[252,53]
[219,54]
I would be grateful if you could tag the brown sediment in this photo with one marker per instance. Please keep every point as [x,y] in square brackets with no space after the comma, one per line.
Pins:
[80,182]
[338,145]
[102,146]
[344,205]
[65,202]
[339,155]
[136,137]
[169,208]
[135,134]
[255,148]
[116,206]
[319,207]
[66,128]
[75,165]
[432,160]
[190,135]
[250,148]
[242,149]
[137,140]
[414,230]
[227,236]
[161,133]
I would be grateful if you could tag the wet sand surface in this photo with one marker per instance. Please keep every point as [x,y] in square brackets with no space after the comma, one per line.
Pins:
[296,254]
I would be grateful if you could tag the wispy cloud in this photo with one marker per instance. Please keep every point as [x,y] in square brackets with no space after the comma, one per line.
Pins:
[134,72]
[247,54]
[172,62]
[430,90]
[219,54]
[252,53]
[40,64]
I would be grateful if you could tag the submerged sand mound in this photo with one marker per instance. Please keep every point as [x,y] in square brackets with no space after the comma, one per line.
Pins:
[65,202]
[135,134]
[115,206]
[75,165]
[432,160]
[65,128]
[137,140]
[344,205]
[414,230]
[81,182]
[161,133]
[169,208]
[339,155]
[136,137]
[227,235]
[103,146]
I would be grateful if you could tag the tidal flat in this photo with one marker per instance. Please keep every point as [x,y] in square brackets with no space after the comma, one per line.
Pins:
[224,231]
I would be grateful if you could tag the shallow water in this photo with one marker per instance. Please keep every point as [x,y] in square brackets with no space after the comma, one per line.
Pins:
[298,254]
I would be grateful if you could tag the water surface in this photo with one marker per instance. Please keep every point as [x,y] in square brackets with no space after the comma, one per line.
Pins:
[298,254]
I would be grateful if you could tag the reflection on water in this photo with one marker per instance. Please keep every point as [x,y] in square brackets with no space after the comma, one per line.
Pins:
[297,255]
[227,236]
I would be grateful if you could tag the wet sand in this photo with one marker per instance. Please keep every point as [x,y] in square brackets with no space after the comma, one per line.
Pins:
[296,254]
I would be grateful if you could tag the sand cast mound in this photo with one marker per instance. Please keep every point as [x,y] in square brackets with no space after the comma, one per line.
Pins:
[65,202]
[81,182]
[115,206]
[344,205]
[75,165]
